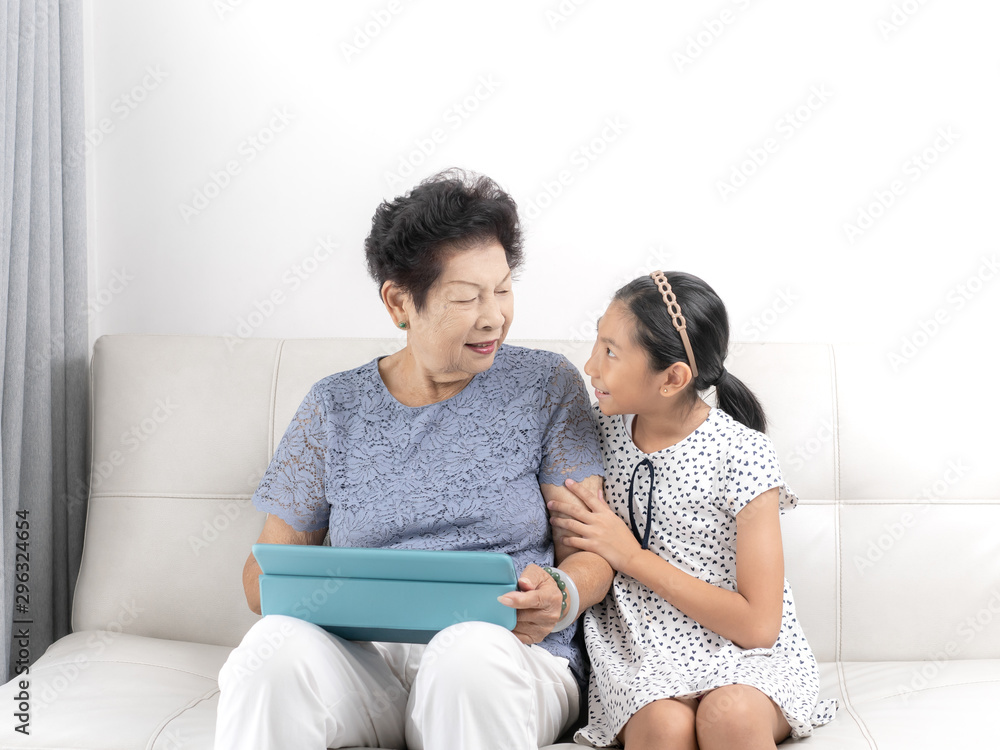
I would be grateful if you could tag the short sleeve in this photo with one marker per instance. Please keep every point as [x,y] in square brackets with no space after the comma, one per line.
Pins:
[292,487]
[751,470]
[570,449]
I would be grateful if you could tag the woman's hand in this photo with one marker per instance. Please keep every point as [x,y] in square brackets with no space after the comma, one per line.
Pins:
[538,602]
[595,527]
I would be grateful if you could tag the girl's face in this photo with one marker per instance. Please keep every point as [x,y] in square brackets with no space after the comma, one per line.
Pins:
[619,368]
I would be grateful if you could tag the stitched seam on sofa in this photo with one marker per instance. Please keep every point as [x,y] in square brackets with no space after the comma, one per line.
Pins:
[173,496]
[837,536]
[850,707]
[90,464]
[936,687]
[919,503]
[36,670]
[272,407]
[176,714]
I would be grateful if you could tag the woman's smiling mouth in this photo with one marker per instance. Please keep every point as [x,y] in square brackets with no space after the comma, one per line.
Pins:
[485,347]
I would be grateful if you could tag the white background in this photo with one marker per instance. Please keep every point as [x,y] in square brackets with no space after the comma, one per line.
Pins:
[645,109]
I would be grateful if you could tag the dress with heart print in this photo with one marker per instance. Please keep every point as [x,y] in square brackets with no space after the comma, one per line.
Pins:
[642,648]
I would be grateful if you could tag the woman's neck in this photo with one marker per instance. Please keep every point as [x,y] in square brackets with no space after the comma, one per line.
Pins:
[654,431]
[413,385]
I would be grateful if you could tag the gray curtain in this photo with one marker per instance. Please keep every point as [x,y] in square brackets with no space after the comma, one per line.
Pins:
[43,323]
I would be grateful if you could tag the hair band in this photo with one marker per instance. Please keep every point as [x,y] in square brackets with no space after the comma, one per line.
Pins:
[670,299]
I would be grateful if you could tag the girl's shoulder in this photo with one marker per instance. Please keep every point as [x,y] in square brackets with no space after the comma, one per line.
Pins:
[720,431]
[730,430]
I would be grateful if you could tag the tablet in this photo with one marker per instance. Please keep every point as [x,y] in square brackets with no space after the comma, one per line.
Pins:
[398,595]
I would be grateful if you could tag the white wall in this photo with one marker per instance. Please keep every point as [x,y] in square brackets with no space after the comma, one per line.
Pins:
[518,91]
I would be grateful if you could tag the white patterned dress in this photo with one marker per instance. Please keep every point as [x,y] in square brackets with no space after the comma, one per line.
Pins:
[642,648]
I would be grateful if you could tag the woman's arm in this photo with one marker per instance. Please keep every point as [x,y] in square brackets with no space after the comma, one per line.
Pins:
[275,531]
[750,617]
[538,600]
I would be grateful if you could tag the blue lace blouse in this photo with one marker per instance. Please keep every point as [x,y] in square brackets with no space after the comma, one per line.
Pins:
[460,474]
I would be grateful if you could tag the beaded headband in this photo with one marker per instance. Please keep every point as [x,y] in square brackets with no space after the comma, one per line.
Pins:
[670,299]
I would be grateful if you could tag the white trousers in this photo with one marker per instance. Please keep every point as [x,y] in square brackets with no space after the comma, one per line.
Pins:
[475,686]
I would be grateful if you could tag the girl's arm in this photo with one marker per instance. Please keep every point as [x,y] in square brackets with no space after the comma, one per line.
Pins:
[590,572]
[750,617]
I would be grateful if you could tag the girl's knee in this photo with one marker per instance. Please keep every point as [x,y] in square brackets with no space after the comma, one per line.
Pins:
[733,714]
[662,725]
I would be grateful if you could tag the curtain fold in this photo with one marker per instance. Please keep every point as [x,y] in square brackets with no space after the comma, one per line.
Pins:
[43,324]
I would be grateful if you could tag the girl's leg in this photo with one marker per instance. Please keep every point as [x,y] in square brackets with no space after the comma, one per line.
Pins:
[662,725]
[739,717]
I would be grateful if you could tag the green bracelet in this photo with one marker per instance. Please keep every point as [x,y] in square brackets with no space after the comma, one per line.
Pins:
[562,587]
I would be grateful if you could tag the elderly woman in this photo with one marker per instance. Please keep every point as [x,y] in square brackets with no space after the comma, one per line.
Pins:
[455,442]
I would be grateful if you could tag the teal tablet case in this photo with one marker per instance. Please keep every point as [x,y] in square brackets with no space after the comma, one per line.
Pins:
[385,594]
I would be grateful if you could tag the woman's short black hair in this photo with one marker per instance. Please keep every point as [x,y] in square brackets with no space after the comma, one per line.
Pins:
[451,210]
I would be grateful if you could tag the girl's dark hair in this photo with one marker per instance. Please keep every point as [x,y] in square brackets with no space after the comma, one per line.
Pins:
[451,210]
[708,331]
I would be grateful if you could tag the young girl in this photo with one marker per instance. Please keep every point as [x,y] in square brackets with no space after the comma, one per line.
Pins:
[697,645]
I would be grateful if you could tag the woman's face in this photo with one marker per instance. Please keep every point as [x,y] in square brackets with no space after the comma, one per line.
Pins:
[467,312]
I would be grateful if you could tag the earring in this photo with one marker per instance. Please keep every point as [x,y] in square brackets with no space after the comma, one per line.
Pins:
[402,324]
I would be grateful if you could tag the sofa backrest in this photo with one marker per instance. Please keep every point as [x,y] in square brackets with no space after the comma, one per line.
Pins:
[892,553]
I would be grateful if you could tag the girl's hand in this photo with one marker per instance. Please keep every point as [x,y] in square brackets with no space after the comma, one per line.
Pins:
[595,527]
[538,602]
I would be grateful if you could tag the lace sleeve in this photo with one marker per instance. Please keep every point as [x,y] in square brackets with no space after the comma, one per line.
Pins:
[751,470]
[569,448]
[292,487]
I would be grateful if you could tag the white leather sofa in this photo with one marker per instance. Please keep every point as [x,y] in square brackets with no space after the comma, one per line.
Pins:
[893,553]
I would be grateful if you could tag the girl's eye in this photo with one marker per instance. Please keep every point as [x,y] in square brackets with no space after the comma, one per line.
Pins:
[503,291]
[610,353]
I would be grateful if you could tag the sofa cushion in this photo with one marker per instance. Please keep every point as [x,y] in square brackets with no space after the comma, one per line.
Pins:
[108,690]
[162,695]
